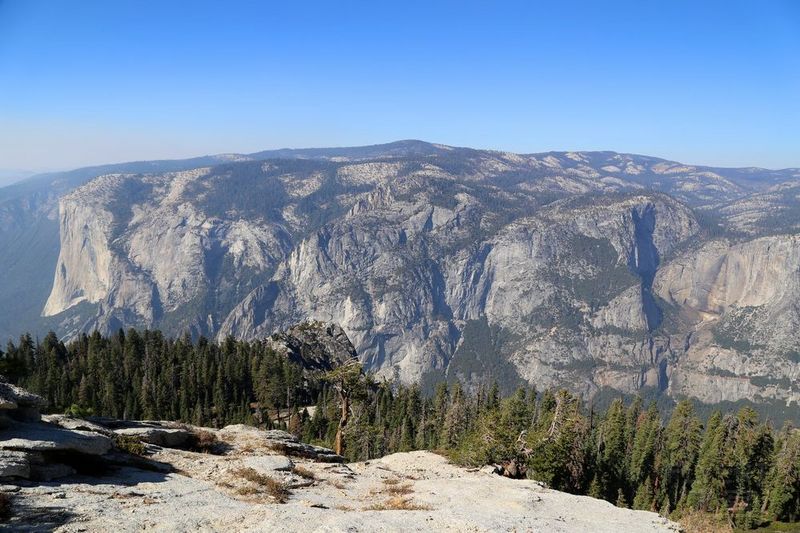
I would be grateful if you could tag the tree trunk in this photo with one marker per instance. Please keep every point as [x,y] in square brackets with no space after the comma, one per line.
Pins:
[345,401]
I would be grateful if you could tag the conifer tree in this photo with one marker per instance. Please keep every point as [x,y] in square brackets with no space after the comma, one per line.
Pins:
[681,444]
[782,494]
[708,490]
[611,452]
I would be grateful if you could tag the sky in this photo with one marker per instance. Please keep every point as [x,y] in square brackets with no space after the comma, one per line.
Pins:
[90,82]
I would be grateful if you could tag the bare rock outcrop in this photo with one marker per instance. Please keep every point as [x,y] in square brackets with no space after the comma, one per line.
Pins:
[17,404]
[222,493]
[280,441]
[67,474]
[314,345]
[46,438]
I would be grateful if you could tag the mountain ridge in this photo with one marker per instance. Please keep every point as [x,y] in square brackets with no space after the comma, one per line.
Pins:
[565,259]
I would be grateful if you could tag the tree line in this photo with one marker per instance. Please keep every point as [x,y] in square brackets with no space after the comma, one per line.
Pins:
[734,466]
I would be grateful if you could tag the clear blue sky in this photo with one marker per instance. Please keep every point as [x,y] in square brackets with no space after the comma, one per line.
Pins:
[85,82]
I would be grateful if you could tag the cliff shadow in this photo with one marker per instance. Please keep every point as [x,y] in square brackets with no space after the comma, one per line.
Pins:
[644,262]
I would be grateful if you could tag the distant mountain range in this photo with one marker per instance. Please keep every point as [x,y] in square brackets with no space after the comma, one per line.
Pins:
[594,270]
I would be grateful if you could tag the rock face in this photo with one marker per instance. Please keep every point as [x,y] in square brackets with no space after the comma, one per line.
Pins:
[17,404]
[741,301]
[210,493]
[60,446]
[589,270]
[30,449]
[314,345]
[41,438]
[15,463]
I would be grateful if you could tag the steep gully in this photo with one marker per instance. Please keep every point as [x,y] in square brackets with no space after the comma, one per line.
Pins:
[644,262]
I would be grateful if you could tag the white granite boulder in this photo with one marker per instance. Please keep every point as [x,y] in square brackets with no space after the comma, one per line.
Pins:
[45,438]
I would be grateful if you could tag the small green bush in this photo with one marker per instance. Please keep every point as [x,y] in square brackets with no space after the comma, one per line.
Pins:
[77,411]
[129,444]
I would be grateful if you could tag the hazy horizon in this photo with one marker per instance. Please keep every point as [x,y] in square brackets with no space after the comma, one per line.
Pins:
[12,176]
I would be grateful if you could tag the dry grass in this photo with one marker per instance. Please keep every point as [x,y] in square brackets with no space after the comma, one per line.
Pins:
[304,472]
[700,522]
[398,499]
[204,442]
[399,490]
[274,488]
[337,483]
[252,476]
[278,490]
[398,503]
[393,487]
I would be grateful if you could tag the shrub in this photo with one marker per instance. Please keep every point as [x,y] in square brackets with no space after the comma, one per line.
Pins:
[129,444]
[276,489]
[203,441]
[76,411]
[303,472]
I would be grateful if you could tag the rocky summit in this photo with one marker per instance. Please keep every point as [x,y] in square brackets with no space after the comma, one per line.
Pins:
[73,475]
[587,269]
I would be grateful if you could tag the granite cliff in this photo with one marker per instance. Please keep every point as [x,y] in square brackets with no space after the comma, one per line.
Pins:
[589,270]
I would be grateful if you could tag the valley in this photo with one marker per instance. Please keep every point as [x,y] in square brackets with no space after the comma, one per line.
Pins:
[599,270]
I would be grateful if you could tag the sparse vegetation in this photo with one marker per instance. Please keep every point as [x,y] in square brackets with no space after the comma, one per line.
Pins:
[77,411]
[397,489]
[129,444]
[700,522]
[343,508]
[303,472]
[398,503]
[204,441]
[247,490]
[278,490]
[337,483]
[398,499]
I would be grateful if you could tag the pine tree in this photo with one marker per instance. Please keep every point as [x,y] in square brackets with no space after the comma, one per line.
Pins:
[752,456]
[643,500]
[782,495]
[348,381]
[646,445]
[455,419]
[681,444]
[708,490]
[621,501]
[611,452]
